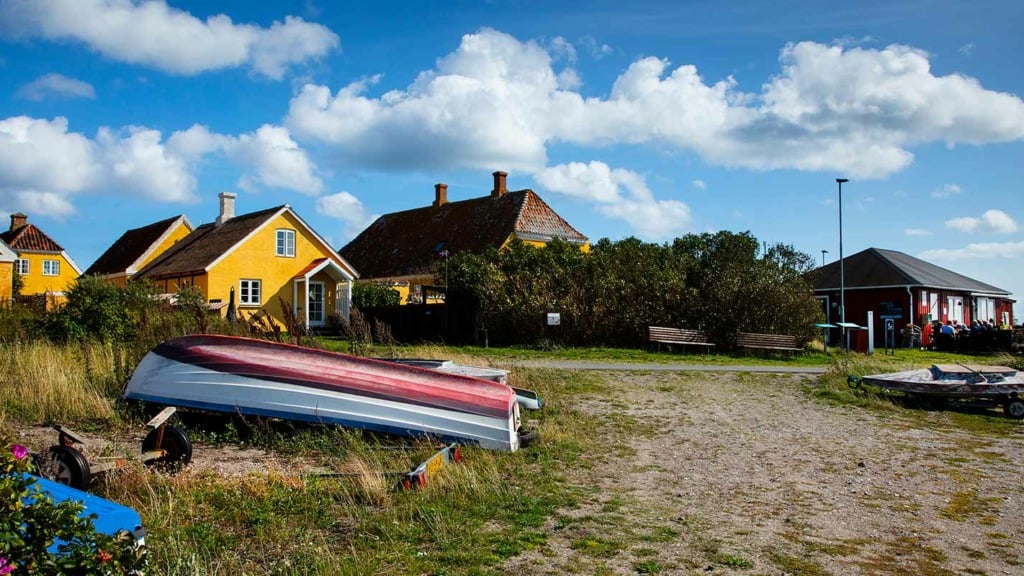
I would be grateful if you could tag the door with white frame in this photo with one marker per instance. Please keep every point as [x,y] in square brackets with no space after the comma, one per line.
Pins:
[316,303]
[955,308]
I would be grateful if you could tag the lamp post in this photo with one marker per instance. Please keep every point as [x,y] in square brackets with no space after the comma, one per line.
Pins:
[823,252]
[842,274]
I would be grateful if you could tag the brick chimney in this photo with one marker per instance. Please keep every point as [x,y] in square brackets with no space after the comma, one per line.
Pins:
[440,194]
[227,207]
[18,220]
[499,184]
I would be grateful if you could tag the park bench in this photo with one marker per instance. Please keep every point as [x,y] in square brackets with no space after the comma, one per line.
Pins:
[780,342]
[681,336]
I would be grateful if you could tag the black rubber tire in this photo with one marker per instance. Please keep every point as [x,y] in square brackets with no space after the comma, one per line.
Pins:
[528,437]
[68,466]
[175,444]
[1014,408]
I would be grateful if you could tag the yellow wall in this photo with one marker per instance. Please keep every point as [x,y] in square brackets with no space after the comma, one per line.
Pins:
[257,260]
[35,283]
[179,232]
[6,281]
[540,244]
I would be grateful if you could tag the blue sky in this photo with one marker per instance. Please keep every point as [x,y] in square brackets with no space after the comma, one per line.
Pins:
[651,119]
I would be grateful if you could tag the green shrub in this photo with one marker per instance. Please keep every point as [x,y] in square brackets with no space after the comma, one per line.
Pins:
[368,294]
[41,537]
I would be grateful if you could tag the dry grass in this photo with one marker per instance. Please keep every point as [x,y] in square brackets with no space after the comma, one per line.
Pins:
[45,382]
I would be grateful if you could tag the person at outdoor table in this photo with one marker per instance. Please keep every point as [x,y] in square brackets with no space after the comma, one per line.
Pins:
[948,328]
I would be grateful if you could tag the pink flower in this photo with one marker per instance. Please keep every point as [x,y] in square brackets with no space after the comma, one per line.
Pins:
[5,566]
[19,453]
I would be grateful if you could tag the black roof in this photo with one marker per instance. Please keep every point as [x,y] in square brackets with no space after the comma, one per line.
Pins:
[878,268]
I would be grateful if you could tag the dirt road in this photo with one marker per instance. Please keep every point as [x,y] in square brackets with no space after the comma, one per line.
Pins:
[728,473]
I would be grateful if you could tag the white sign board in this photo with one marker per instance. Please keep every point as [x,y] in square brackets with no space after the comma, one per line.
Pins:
[554,318]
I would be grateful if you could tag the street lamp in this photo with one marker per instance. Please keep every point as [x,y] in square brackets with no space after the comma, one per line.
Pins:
[842,274]
[823,252]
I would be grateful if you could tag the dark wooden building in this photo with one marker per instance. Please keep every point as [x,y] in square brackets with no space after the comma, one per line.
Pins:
[907,290]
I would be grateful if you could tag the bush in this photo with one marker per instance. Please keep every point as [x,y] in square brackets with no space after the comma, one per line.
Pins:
[370,294]
[41,537]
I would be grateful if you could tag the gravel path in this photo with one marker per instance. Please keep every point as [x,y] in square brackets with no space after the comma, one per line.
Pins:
[727,473]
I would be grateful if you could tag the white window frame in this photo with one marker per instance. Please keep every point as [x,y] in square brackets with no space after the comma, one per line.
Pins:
[21,266]
[245,289]
[47,264]
[285,244]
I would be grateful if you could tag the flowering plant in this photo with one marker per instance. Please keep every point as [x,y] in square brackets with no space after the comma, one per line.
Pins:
[41,537]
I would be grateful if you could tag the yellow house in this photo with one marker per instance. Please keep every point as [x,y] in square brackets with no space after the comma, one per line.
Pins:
[138,247]
[407,249]
[44,268]
[7,258]
[263,262]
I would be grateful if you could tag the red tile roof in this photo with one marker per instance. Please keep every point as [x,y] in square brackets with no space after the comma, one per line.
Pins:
[130,247]
[28,237]
[409,242]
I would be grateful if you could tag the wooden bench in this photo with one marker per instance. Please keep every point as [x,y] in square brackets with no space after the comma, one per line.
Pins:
[682,336]
[779,342]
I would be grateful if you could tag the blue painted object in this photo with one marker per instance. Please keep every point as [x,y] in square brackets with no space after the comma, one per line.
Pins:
[111,517]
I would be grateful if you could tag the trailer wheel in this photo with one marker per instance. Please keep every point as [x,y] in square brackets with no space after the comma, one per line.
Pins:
[1014,408]
[69,467]
[528,437]
[175,444]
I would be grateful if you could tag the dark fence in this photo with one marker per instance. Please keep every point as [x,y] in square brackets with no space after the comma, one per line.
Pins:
[987,342]
[414,323]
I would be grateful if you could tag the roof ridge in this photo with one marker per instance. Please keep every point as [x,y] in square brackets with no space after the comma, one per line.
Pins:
[880,252]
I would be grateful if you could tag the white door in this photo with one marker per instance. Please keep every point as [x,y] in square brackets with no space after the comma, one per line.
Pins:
[955,308]
[316,303]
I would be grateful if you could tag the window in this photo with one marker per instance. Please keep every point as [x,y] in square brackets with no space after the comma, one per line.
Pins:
[249,293]
[51,267]
[21,266]
[286,243]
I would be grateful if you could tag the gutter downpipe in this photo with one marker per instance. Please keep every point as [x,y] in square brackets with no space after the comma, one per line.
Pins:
[910,294]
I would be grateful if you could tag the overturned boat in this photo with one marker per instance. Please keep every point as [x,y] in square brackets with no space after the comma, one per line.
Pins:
[999,385]
[528,399]
[270,379]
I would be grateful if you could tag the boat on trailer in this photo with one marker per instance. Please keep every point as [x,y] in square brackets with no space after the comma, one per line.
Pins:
[270,379]
[989,385]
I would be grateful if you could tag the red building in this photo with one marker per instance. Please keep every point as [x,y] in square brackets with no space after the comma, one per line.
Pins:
[906,290]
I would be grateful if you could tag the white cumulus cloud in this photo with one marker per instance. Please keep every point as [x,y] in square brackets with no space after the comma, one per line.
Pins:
[43,164]
[348,209]
[946,191]
[151,33]
[56,85]
[995,221]
[278,160]
[137,161]
[974,251]
[497,101]
[620,194]
[917,232]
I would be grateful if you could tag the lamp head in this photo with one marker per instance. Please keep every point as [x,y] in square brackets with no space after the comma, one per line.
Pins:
[841,180]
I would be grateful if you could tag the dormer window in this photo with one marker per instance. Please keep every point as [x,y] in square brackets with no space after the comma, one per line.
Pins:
[286,242]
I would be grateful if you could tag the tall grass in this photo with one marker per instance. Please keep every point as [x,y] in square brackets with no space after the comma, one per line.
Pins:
[42,381]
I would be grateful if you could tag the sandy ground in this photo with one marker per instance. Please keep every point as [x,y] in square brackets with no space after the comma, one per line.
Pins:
[747,474]
[732,473]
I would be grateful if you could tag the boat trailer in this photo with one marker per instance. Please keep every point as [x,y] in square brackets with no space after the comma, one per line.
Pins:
[164,446]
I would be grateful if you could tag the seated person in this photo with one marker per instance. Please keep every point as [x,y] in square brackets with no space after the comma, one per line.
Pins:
[947,328]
